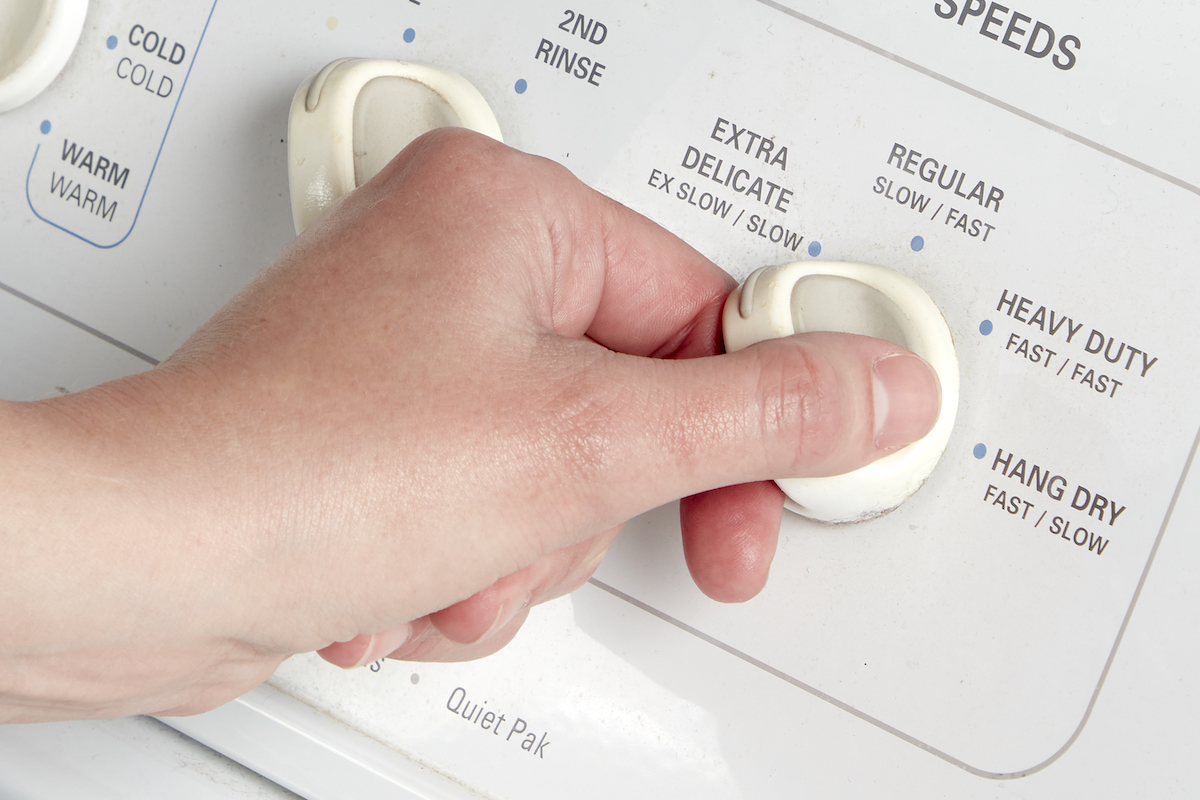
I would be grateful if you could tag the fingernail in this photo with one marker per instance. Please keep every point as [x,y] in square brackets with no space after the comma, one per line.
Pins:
[385,643]
[908,397]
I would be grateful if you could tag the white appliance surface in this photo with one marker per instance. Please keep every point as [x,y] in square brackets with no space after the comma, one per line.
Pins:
[1021,628]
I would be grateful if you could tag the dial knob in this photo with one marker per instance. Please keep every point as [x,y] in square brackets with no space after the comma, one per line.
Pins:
[356,114]
[36,39]
[863,299]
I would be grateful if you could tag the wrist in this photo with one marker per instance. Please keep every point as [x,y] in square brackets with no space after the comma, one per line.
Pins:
[110,559]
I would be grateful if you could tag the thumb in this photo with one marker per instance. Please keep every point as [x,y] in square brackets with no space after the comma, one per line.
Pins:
[810,405]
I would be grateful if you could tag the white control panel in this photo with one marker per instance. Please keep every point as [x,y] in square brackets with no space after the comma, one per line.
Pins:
[1019,626]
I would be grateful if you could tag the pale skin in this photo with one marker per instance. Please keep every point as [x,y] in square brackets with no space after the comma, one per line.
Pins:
[435,411]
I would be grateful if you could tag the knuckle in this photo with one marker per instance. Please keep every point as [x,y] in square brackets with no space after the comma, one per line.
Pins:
[454,149]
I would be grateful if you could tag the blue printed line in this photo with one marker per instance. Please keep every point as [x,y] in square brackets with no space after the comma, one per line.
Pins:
[157,155]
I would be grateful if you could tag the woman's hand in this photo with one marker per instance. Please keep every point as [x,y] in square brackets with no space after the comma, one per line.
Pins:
[434,411]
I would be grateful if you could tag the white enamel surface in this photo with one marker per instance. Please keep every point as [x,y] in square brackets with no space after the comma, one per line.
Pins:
[120,759]
[36,39]
[351,118]
[869,300]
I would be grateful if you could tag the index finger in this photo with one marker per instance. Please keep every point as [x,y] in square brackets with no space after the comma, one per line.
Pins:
[661,297]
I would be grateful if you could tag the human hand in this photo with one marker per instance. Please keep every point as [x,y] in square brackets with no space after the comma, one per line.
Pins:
[435,410]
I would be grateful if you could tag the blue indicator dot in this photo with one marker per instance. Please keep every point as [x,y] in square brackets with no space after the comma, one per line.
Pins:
[918,242]
[814,249]
[112,43]
[409,35]
[985,327]
[521,86]
[980,450]
[45,126]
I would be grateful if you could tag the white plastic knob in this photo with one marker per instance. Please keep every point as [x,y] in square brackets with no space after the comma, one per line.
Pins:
[37,38]
[851,298]
[356,114]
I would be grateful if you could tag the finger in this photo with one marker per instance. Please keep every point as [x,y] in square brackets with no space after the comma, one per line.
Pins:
[366,648]
[484,622]
[811,405]
[486,611]
[429,645]
[480,616]
[661,298]
[592,266]
[638,288]
[729,538]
